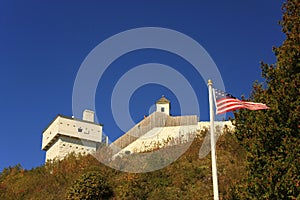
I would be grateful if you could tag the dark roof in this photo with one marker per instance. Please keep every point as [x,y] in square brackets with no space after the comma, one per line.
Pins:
[163,100]
[67,117]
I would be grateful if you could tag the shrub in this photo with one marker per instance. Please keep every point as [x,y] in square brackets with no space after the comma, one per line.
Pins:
[90,186]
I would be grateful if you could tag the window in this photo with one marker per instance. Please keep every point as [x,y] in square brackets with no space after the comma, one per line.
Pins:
[80,130]
[162,109]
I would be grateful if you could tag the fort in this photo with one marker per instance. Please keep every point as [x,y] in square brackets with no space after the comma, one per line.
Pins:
[66,134]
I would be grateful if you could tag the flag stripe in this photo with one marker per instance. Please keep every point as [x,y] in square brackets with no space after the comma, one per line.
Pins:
[226,102]
[229,104]
[228,109]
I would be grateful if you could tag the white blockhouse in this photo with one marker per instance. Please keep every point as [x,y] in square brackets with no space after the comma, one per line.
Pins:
[163,105]
[67,134]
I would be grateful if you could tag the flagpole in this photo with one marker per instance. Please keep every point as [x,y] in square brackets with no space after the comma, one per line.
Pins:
[212,141]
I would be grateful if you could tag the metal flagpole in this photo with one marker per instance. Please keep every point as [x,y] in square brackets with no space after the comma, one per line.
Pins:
[212,141]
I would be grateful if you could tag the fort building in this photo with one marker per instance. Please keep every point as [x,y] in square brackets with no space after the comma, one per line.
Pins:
[66,134]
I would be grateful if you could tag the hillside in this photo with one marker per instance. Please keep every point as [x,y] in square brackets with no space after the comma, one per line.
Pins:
[187,178]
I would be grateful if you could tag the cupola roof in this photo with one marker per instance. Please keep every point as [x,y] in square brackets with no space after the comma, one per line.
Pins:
[163,100]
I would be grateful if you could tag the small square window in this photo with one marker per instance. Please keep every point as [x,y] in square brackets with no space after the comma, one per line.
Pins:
[80,130]
[162,109]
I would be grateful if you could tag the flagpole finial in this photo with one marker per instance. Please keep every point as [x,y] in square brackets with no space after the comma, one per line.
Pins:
[209,82]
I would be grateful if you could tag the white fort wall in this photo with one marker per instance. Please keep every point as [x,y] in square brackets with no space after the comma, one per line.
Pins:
[219,126]
[72,128]
[65,135]
[53,152]
[66,145]
[159,137]
[164,108]
[163,136]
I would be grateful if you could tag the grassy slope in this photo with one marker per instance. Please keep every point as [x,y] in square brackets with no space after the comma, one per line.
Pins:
[187,178]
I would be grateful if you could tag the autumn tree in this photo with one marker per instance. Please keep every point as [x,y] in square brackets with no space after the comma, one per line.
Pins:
[90,186]
[272,137]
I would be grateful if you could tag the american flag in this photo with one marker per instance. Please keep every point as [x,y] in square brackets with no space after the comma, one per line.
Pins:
[226,102]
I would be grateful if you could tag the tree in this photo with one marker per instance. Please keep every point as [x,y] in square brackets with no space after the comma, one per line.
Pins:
[272,137]
[90,186]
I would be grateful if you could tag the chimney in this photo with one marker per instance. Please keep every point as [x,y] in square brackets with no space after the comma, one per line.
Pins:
[88,115]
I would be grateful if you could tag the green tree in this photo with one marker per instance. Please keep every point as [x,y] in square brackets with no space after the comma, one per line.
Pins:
[271,137]
[90,186]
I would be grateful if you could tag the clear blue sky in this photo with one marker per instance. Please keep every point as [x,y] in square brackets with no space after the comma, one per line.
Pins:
[43,43]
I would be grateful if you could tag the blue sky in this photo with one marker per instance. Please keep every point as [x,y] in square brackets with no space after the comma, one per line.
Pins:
[43,44]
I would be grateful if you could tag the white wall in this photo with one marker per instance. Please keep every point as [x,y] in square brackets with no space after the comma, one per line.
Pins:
[73,128]
[165,106]
[218,124]
[53,151]
[66,135]
[65,145]
[158,136]
[88,115]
